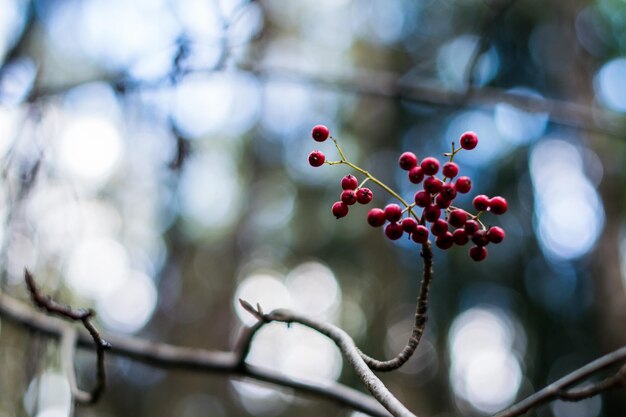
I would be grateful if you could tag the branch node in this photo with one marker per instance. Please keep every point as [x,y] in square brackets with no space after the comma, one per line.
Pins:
[84,315]
[421,316]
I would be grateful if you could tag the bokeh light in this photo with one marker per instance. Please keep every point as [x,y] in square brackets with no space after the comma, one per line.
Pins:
[454,57]
[129,307]
[200,18]
[309,355]
[518,126]
[284,108]
[90,149]
[298,352]
[380,21]
[11,20]
[314,290]
[267,290]
[48,395]
[610,84]
[569,214]
[97,266]
[95,99]
[485,370]
[17,80]
[208,104]
[210,192]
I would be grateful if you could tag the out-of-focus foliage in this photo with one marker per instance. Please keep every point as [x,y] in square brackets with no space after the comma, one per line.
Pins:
[153,158]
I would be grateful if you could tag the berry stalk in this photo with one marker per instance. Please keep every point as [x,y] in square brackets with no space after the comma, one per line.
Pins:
[370,177]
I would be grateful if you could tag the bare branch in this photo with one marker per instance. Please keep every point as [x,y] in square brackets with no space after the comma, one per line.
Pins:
[245,340]
[228,363]
[197,360]
[84,316]
[421,317]
[393,86]
[558,389]
[424,91]
[348,349]
[614,381]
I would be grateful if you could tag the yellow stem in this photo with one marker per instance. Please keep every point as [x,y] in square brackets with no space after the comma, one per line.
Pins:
[363,182]
[343,157]
[382,185]
[369,177]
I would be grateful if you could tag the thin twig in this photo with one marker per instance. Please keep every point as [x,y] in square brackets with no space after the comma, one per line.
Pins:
[84,316]
[346,345]
[558,389]
[421,317]
[167,356]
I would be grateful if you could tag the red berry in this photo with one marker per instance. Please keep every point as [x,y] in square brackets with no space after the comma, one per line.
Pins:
[376,217]
[463,184]
[340,209]
[432,213]
[471,227]
[393,212]
[450,169]
[439,227]
[480,238]
[422,198]
[394,231]
[348,197]
[478,253]
[442,201]
[460,237]
[432,185]
[320,133]
[469,140]
[420,235]
[430,165]
[349,182]
[448,191]
[409,225]
[498,205]
[481,202]
[457,218]
[495,234]
[407,161]
[316,158]
[416,175]
[364,195]
[444,241]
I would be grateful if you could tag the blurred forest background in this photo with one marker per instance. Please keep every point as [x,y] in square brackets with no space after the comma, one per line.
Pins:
[153,162]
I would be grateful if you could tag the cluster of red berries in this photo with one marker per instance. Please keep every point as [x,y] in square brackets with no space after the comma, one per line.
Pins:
[435,198]
[351,194]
